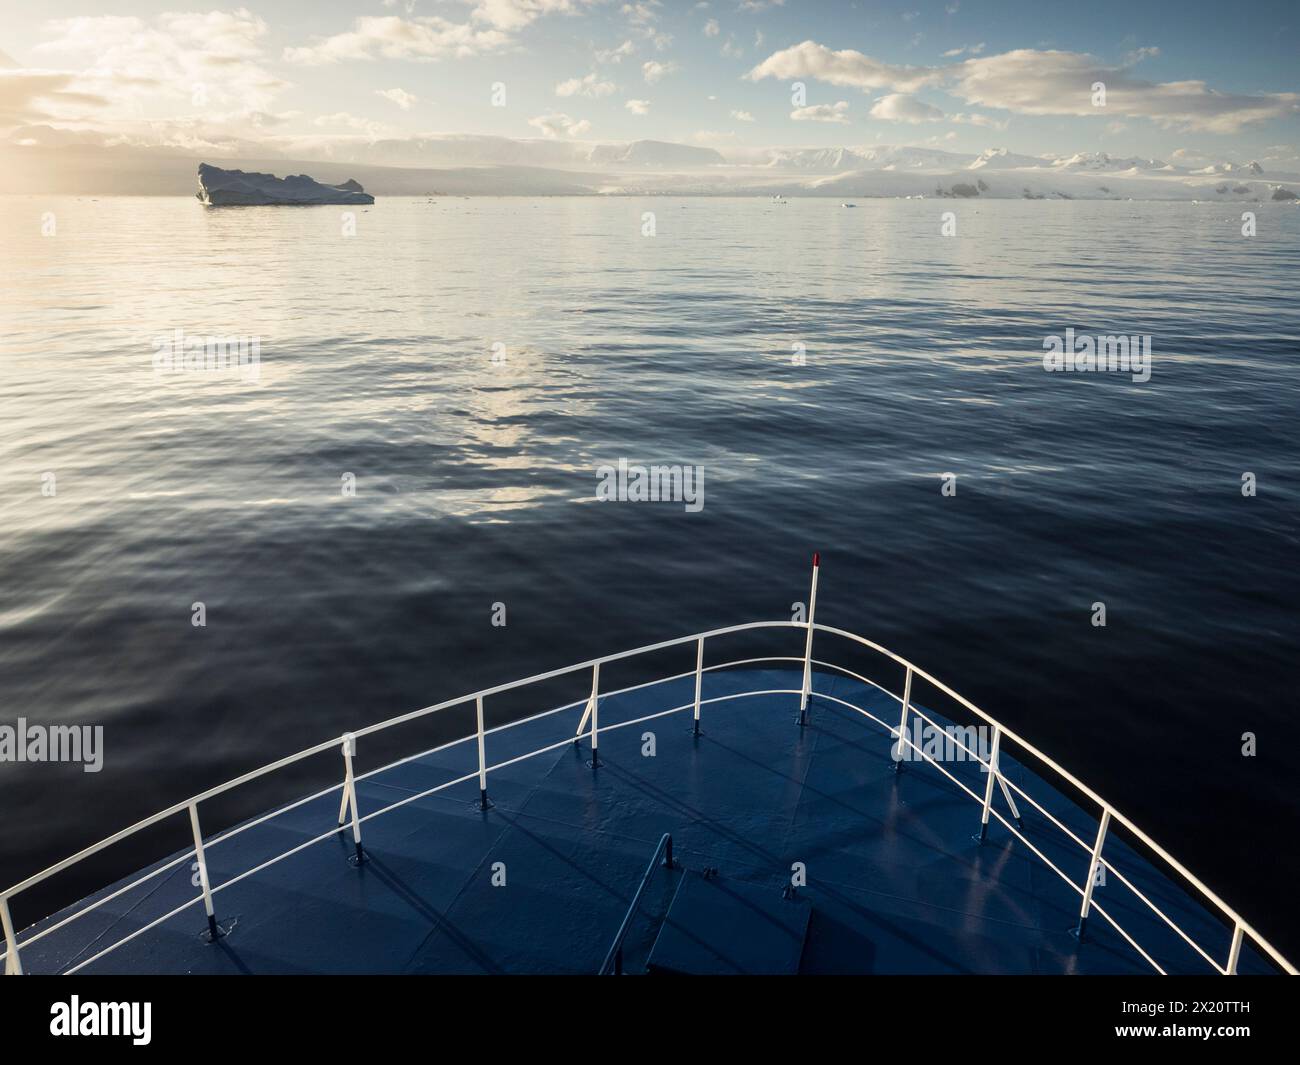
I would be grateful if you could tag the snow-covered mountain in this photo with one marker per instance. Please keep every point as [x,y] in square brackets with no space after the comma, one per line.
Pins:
[653,154]
[907,157]
[818,160]
[1251,169]
[1001,159]
[39,159]
[903,157]
[834,160]
[1099,162]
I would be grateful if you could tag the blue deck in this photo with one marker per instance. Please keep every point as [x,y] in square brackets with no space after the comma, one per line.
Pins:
[896,881]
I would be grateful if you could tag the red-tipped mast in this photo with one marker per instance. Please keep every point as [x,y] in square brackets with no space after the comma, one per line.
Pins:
[817,559]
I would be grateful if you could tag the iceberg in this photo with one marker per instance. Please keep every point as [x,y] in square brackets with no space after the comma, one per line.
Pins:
[235,188]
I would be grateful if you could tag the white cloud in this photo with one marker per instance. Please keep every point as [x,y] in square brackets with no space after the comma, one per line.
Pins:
[400,38]
[983,121]
[637,107]
[516,14]
[711,28]
[345,120]
[899,107]
[615,55]
[845,68]
[642,14]
[822,113]
[229,34]
[965,49]
[560,125]
[591,86]
[643,17]
[42,95]
[400,97]
[1139,54]
[177,61]
[655,71]
[1032,82]
[743,116]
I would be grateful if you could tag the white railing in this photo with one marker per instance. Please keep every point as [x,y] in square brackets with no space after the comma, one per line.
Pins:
[351,817]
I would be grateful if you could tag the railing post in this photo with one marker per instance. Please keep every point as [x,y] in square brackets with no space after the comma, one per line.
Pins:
[699,678]
[988,784]
[902,722]
[1092,875]
[1011,801]
[482,760]
[807,651]
[13,963]
[1234,952]
[350,788]
[214,932]
[595,716]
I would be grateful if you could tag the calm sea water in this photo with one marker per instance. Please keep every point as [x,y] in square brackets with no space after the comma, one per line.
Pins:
[475,481]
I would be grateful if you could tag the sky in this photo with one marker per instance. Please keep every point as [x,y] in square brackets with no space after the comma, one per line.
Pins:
[1184,81]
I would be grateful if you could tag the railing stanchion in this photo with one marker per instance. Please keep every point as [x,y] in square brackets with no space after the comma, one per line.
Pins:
[1011,802]
[350,786]
[1234,952]
[699,678]
[343,803]
[807,651]
[1092,874]
[988,784]
[902,723]
[13,963]
[214,932]
[595,715]
[482,760]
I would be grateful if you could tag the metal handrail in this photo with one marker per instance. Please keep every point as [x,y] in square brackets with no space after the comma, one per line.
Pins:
[614,958]
[349,814]
[368,730]
[1109,812]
